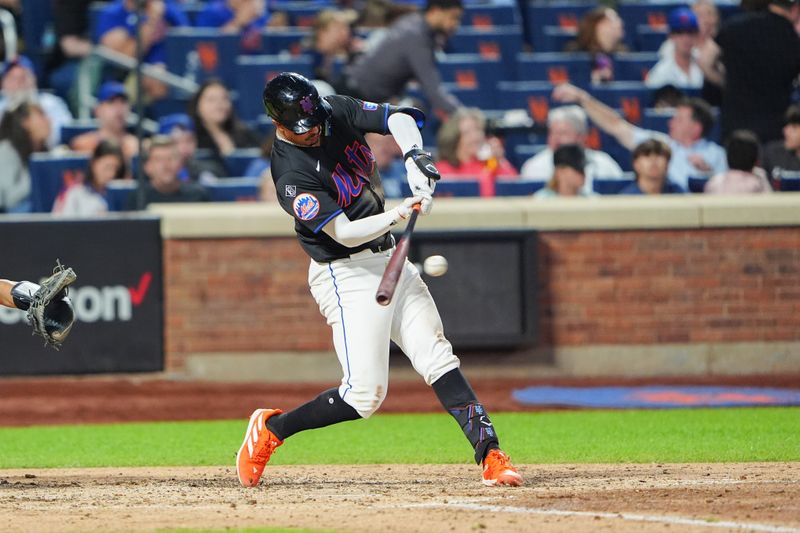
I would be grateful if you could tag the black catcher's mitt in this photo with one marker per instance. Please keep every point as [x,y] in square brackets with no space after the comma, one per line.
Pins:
[50,312]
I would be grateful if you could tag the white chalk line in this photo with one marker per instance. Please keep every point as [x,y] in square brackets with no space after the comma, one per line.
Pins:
[676,520]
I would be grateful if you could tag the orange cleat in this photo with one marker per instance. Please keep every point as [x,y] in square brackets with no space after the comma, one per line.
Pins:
[258,446]
[498,470]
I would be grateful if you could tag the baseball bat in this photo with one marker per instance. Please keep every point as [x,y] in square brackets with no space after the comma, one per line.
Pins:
[395,267]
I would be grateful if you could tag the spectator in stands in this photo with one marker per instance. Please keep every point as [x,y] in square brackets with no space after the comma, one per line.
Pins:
[248,18]
[465,152]
[24,130]
[73,44]
[376,14]
[88,198]
[667,97]
[215,122]
[744,177]
[756,64]
[784,155]
[116,29]
[650,163]
[407,52]
[692,154]
[600,33]
[180,128]
[707,15]
[161,165]
[333,45]
[678,68]
[19,83]
[111,111]
[568,125]
[569,173]
[389,160]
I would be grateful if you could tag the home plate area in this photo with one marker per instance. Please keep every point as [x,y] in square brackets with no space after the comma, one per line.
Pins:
[407,498]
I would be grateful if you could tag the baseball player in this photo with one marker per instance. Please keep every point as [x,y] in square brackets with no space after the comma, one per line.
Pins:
[48,306]
[326,178]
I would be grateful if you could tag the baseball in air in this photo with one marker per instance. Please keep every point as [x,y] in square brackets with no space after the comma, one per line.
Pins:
[435,266]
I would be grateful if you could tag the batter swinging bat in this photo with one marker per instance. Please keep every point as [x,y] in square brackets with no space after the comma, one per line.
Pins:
[395,267]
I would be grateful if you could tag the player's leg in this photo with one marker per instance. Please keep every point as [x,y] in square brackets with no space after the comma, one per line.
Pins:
[417,330]
[345,293]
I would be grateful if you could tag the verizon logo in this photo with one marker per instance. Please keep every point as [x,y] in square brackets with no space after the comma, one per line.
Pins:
[96,304]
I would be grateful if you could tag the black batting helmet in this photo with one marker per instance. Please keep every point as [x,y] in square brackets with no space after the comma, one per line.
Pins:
[293,101]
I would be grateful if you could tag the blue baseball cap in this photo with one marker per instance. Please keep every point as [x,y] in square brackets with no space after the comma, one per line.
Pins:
[682,20]
[110,90]
[19,61]
[177,120]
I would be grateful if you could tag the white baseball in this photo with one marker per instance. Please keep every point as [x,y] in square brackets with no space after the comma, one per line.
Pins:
[435,265]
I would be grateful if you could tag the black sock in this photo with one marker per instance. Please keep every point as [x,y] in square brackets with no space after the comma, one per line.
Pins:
[459,399]
[326,409]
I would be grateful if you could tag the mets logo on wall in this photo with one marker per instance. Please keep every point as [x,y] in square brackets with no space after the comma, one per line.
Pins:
[306,206]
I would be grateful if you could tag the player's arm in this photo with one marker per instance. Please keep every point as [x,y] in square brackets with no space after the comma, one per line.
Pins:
[422,173]
[606,118]
[352,233]
[5,293]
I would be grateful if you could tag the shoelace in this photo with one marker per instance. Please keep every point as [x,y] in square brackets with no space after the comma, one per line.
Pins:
[266,450]
[498,462]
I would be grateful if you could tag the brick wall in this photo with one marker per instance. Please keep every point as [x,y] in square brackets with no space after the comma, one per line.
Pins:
[238,295]
[596,287]
[670,286]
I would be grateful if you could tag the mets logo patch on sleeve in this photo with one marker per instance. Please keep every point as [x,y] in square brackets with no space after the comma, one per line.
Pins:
[370,106]
[306,206]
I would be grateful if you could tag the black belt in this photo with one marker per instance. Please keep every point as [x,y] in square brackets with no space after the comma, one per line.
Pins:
[381,244]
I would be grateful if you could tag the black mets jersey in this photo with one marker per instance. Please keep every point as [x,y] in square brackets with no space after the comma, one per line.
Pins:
[316,184]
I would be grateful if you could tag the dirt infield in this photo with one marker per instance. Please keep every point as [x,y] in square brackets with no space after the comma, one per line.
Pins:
[408,498]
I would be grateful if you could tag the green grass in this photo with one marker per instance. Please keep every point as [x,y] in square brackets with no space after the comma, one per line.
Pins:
[684,435]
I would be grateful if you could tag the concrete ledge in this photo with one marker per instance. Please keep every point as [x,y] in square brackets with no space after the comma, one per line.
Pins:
[750,210]
[612,212]
[215,220]
[567,214]
[269,367]
[623,361]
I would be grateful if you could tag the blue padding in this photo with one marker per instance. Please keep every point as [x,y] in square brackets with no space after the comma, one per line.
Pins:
[549,66]
[609,186]
[253,73]
[278,40]
[117,194]
[202,53]
[452,187]
[470,70]
[48,175]
[237,161]
[503,42]
[234,189]
[697,184]
[657,396]
[516,187]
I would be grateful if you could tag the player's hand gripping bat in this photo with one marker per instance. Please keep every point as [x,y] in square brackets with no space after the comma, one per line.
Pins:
[395,267]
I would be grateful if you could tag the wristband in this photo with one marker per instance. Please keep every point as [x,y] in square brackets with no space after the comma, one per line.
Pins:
[424,162]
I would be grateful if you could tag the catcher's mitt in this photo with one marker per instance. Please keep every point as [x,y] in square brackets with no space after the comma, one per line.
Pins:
[50,312]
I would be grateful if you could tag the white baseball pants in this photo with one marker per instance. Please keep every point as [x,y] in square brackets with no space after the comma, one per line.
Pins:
[345,292]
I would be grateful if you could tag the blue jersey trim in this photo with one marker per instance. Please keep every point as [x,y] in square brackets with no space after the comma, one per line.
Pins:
[344,330]
[322,224]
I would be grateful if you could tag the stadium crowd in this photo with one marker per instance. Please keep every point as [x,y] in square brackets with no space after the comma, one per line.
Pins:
[524,97]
